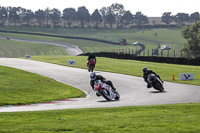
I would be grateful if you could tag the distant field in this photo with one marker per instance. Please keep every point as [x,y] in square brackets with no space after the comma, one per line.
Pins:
[11,48]
[85,45]
[172,37]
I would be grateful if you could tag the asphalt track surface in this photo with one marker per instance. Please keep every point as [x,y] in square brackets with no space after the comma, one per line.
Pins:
[132,89]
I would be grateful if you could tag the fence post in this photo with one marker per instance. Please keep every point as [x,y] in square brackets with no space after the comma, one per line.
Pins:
[157,52]
[181,53]
[174,53]
[167,53]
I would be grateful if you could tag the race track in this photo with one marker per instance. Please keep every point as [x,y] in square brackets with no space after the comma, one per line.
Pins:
[132,89]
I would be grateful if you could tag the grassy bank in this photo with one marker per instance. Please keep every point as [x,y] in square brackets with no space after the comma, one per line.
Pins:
[172,37]
[21,87]
[177,118]
[129,67]
[85,45]
[11,48]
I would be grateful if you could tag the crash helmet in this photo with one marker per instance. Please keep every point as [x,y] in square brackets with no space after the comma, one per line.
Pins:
[93,76]
[144,69]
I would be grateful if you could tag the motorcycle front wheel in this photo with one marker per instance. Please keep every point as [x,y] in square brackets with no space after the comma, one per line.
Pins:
[117,96]
[105,94]
[159,87]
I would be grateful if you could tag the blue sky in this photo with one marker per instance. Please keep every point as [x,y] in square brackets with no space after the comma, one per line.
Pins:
[151,8]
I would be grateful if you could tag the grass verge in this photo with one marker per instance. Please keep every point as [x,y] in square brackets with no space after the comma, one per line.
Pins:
[11,48]
[129,67]
[175,118]
[171,37]
[20,87]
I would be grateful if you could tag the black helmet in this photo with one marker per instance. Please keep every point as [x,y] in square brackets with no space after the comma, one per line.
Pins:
[144,69]
[93,76]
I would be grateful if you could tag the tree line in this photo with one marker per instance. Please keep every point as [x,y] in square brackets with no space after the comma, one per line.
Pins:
[106,17]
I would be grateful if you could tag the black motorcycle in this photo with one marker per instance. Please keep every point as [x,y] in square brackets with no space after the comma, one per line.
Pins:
[91,65]
[155,82]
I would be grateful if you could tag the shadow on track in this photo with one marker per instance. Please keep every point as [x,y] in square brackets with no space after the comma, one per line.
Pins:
[103,101]
[158,92]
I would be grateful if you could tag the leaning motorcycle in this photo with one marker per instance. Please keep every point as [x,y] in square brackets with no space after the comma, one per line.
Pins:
[105,90]
[155,82]
[91,65]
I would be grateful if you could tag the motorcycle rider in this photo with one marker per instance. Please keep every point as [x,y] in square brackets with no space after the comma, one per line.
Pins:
[91,57]
[146,72]
[95,77]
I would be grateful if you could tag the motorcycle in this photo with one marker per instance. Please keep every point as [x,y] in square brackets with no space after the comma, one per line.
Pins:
[91,65]
[155,82]
[105,90]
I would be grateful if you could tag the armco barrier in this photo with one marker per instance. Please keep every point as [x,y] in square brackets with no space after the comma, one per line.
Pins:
[171,60]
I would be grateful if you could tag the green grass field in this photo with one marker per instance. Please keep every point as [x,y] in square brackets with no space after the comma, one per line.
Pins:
[172,37]
[20,87]
[85,45]
[11,48]
[27,88]
[176,118]
[129,67]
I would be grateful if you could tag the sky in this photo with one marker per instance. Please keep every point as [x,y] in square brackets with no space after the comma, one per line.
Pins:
[150,8]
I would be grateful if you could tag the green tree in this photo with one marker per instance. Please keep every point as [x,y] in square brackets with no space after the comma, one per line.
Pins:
[3,15]
[194,17]
[96,17]
[167,18]
[47,14]
[181,18]
[192,34]
[110,18]
[69,15]
[127,18]
[14,14]
[40,16]
[55,16]
[118,11]
[83,15]
[140,19]
[27,16]
[103,11]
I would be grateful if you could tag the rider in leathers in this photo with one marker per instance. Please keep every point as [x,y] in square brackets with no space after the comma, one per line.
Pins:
[90,57]
[146,72]
[95,77]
